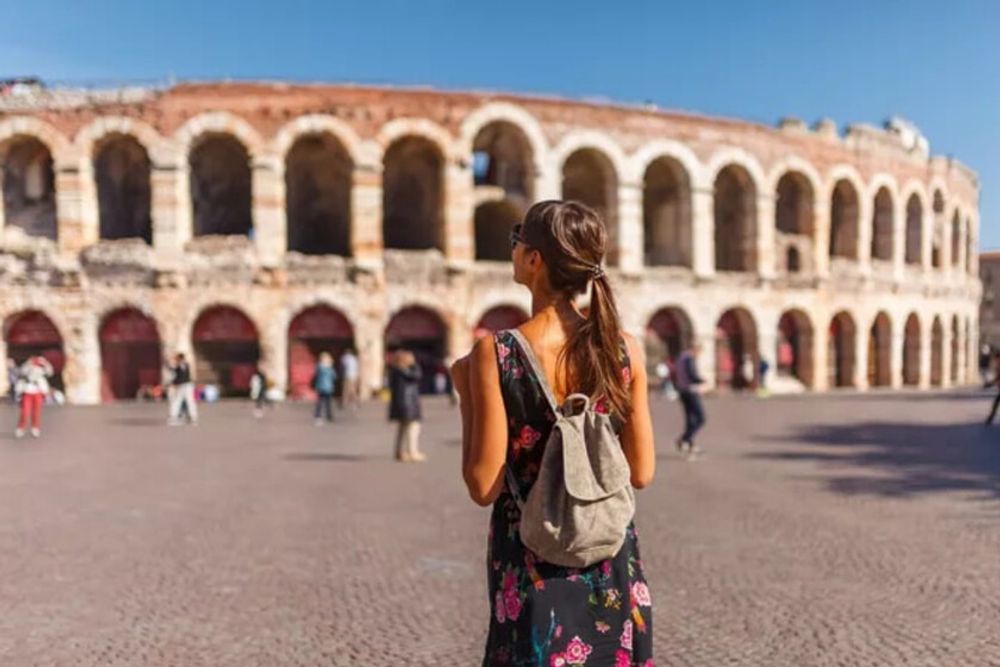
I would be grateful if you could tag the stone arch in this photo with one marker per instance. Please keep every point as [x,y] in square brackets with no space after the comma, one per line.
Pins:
[589,175]
[422,331]
[510,114]
[226,343]
[666,213]
[669,331]
[193,131]
[29,186]
[312,330]
[221,185]
[794,220]
[735,216]
[914,225]
[880,351]
[938,232]
[937,352]
[883,224]
[841,344]
[499,317]
[737,356]
[845,217]
[793,354]
[413,194]
[318,183]
[318,124]
[31,332]
[911,351]
[121,170]
[131,354]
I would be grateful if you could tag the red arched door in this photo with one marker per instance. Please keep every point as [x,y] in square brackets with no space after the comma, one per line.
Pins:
[314,330]
[31,332]
[130,354]
[499,318]
[226,348]
[422,332]
[736,355]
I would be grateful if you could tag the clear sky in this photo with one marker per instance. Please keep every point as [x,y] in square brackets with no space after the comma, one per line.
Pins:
[936,63]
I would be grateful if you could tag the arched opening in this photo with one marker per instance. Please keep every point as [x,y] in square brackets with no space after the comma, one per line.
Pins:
[793,260]
[882,223]
[794,355]
[221,186]
[30,333]
[666,214]
[970,247]
[937,353]
[735,220]
[29,187]
[131,354]
[844,216]
[793,208]
[413,195]
[911,351]
[422,332]
[226,348]
[493,222]
[914,229]
[840,351]
[314,330]
[121,172]
[956,347]
[736,353]
[318,173]
[589,177]
[499,318]
[880,352]
[937,235]
[668,333]
[956,240]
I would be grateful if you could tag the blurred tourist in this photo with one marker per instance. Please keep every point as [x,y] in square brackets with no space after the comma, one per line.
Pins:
[689,382]
[258,391]
[324,382]
[350,393]
[995,381]
[404,405]
[32,386]
[181,392]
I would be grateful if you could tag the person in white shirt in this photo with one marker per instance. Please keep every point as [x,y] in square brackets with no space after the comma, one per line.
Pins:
[350,393]
[32,386]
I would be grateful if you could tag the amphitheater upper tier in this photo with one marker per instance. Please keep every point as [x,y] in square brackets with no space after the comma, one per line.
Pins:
[239,221]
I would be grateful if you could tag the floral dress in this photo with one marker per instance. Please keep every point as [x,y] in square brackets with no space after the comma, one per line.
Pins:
[547,615]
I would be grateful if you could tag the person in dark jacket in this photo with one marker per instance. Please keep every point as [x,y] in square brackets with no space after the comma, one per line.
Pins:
[404,405]
[688,383]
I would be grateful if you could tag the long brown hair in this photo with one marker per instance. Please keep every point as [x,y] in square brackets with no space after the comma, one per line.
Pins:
[572,240]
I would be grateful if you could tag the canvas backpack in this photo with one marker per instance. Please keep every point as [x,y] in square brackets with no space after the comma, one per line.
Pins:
[579,507]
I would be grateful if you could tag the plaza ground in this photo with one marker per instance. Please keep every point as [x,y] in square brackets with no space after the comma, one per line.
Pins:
[852,529]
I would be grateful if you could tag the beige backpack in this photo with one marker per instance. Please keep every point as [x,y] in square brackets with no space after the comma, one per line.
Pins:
[581,504]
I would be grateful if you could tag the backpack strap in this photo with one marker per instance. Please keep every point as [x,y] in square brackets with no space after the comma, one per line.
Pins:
[536,368]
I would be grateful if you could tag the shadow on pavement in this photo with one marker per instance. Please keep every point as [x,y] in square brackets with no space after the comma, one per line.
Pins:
[899,459]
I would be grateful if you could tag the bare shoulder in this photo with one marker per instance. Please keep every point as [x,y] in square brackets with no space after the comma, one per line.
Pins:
[483,354]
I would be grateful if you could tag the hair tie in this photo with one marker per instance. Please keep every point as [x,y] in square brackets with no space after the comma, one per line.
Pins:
[596,272]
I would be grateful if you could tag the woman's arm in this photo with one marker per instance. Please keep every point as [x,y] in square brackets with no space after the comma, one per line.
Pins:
[637,433]
[460,379]
[487,450]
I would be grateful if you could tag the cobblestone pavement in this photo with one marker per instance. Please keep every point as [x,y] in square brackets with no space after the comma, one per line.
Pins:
[845,530]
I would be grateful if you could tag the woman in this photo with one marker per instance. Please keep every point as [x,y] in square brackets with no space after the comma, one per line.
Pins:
[404,406]
[545,614]
[33,387]
[324,382]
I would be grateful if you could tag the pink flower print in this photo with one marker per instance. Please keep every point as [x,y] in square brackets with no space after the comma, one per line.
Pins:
[606,568]
[558,633]
[526,439]
[512,601]
[626,638]
[557,660]
[499,609]
[577,652]
[622,659]
[648,663]
[640,592]
[602,627]
[502,351]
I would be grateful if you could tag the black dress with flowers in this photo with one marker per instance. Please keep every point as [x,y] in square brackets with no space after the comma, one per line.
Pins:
[547,615]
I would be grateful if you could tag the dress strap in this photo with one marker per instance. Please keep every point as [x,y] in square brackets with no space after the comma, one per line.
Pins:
[536,368]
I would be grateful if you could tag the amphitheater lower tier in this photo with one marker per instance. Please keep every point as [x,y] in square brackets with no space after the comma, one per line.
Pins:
[108,327]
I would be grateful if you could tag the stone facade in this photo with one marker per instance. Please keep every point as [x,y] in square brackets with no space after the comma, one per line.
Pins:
[207,218]
[989,312]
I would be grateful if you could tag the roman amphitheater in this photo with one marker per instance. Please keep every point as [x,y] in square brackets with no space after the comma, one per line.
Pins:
[239,221]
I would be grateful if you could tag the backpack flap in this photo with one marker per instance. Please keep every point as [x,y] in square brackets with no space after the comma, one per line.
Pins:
[594,465]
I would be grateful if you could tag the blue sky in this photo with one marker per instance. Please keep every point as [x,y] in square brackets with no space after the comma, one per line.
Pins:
[936,63]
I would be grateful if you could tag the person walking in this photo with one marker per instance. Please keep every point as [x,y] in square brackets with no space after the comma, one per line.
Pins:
[543,613]
[32,386]
[404,405]
[182,399]
[324,383]
[688,383]
[350,394]
[994,381]
[258,391]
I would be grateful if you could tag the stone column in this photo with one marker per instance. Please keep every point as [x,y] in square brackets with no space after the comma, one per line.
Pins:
[896,355]
[366,215]
[766,238]
[4,386]
[268,206]
[706,360]
[274,351]
[898,241]
[82,374]
[170,207]
[924,373]
[821,237]
[703,233]
[946,360]
[866,208]
[459,212]
[860,356]
[630,232]
[73,234]
[767,346]
[820,354]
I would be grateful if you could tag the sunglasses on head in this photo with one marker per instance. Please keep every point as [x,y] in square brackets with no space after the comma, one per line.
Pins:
[515,236]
